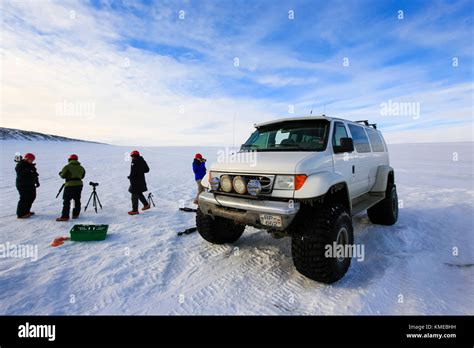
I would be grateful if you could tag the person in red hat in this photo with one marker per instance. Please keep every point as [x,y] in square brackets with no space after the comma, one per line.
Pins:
[73,173]
[26,184]
[138,169]
[199,169]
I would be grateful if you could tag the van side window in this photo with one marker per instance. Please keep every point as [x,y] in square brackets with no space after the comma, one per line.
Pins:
[361,142]
[375,141]
[339,132]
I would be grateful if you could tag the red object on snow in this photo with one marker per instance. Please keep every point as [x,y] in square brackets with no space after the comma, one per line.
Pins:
[134,153]
[29,156]
[198,155]
[73,157]
[59,241]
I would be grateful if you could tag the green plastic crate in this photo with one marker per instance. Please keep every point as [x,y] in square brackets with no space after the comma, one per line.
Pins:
[82,233]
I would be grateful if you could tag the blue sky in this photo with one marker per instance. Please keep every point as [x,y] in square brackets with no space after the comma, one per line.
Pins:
[164,72]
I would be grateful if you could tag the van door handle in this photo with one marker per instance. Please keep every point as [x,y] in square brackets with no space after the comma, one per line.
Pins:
[353,169]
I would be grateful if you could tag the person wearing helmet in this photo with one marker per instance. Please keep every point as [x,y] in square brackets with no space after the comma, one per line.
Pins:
[26,184]
[138,169]
[73,173]
[199,169]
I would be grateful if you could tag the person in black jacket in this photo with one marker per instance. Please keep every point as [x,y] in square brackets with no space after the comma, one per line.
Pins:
[137,182]
[26,184]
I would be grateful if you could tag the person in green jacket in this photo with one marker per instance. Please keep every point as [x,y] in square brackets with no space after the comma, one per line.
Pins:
[73,173]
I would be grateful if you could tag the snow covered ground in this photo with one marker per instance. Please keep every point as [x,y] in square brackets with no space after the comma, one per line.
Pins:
[422,265]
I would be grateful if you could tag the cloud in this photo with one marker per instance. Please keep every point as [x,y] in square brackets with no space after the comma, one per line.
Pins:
[135,73]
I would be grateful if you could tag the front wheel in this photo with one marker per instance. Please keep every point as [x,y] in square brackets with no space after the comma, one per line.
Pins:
[320,245]
[217,230]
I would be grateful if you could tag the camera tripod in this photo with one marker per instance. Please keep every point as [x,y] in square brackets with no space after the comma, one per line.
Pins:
[150,200]
[95,199]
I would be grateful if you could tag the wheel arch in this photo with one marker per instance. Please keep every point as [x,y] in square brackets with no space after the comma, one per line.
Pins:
[318,184]
[385,175]
[337,193]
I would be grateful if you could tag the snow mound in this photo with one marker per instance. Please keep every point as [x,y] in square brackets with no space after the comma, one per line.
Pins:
[18,134]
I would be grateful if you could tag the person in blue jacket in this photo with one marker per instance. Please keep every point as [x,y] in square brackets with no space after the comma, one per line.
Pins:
[199,169]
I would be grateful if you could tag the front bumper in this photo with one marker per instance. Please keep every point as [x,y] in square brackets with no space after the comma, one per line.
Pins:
[247,211]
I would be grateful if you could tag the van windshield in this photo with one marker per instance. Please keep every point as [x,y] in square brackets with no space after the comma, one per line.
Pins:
[310,135]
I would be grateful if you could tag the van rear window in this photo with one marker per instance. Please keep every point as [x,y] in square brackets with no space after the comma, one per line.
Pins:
[375,141]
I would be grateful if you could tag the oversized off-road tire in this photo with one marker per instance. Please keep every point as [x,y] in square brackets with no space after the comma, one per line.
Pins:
[321,227]
[217,230]
[385,212]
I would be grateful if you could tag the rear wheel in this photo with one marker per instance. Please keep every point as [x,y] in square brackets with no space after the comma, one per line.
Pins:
[386,211]
[217,230]
[321,233]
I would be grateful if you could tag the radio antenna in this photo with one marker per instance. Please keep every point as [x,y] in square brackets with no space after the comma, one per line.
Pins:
[233,132]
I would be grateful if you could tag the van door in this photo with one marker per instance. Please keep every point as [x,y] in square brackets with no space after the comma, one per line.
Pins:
[343,162]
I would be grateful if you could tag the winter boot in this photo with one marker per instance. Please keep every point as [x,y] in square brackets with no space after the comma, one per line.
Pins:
[62,218]
[26,216]
[133,212]
[146,207]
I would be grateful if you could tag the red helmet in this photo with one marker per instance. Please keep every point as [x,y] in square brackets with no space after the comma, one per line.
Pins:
[134,153]
[29,156]
[198,155]
[73,157]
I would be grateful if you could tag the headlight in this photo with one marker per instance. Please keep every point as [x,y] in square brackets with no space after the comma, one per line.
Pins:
[215,183]
[254,187]
[284,182]
[290,182]
[226,183]
[240,186]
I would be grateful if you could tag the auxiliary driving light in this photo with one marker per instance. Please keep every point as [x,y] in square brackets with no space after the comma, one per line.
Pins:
[215,181]
[226,183]
[254,187]
[240,186]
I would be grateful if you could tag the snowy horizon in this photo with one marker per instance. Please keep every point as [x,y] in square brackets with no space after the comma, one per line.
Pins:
[79,141]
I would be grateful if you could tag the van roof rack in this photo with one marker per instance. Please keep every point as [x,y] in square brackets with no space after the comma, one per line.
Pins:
[366,122]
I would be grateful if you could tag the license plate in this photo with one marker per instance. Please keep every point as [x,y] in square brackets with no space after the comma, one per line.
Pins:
[271,220]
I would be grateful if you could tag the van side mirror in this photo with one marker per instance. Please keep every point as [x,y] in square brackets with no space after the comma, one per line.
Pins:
[346,146]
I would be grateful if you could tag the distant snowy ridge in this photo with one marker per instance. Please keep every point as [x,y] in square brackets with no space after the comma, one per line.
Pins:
[18,134]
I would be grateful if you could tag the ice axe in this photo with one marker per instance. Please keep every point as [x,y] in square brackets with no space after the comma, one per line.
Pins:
[187,231]
[60,190]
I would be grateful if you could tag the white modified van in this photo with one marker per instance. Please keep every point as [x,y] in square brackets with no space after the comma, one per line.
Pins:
[309,177]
